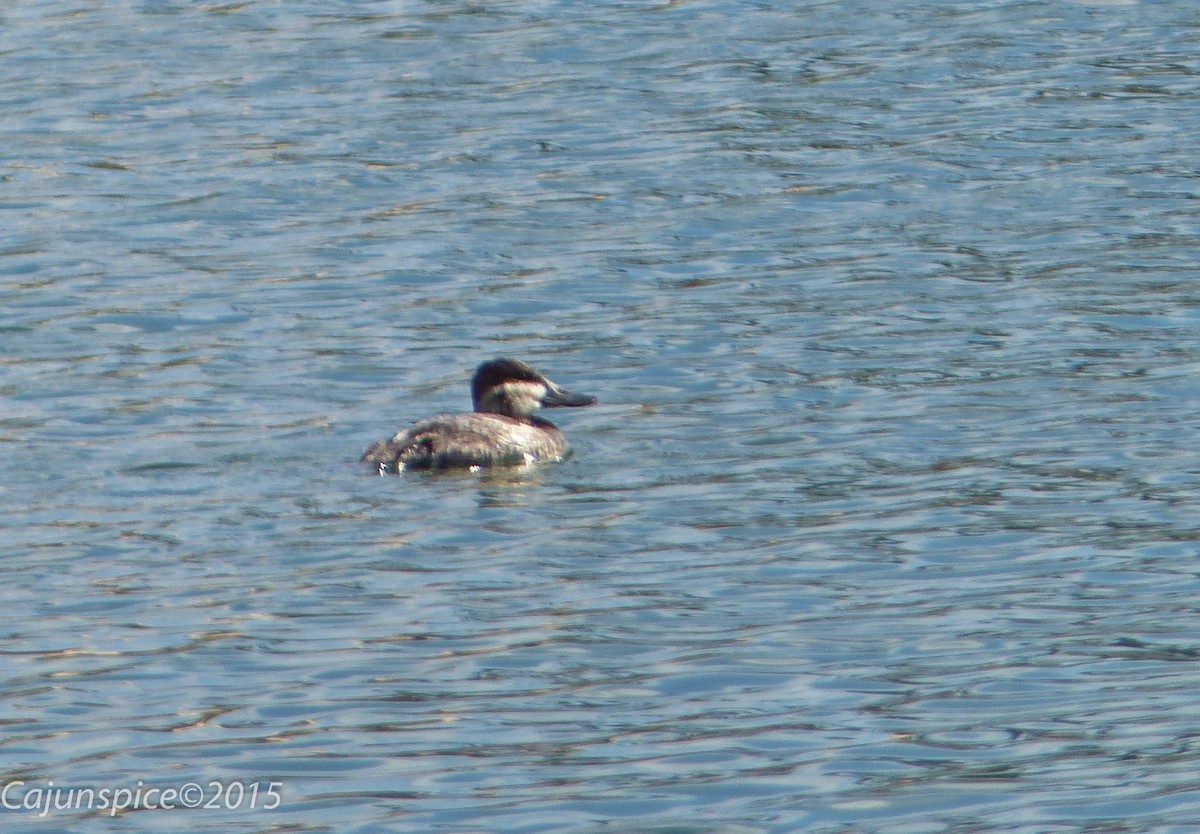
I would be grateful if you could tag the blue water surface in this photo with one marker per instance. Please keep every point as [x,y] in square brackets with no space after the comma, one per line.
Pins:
[887,519]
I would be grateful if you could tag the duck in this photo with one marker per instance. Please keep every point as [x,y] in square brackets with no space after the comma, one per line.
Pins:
[502,430]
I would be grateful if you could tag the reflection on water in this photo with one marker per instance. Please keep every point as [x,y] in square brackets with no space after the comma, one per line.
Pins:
[886,519]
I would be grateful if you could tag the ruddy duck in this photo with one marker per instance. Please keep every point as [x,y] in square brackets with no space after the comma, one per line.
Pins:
[502,430]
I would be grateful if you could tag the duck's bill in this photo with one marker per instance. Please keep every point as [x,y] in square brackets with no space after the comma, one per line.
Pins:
[556,397]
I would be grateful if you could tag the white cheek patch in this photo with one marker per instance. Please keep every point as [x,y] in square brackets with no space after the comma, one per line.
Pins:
[523,397]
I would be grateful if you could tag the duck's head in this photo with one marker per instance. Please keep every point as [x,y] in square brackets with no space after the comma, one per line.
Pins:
[514,389]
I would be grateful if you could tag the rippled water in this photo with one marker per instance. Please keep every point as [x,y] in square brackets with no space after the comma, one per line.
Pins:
[887,520]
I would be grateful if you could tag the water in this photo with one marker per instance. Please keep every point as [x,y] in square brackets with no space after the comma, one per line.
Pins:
[887,520]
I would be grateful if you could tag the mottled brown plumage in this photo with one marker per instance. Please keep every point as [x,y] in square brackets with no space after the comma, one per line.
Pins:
[500,432]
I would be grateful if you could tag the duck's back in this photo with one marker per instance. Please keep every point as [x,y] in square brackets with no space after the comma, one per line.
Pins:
[454,441]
